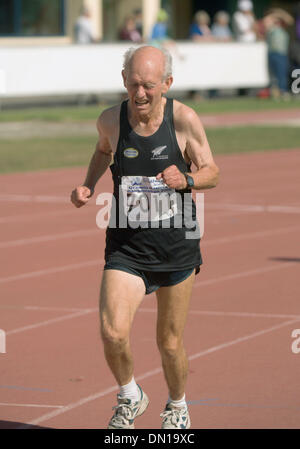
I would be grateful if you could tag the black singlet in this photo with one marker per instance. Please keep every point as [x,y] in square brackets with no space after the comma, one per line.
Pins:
[142,241]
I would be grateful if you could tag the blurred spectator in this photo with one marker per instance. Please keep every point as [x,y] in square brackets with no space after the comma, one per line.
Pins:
[220,28]
[159,32]
[160,37]
[129,31]
[138,17]
[200,32]
[277,39]
[295,43]
[199,29]
[84,33]
[244,22]
[298,21]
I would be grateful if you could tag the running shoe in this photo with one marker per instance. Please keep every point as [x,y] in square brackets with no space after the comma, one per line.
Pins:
[175,417]
[127,410]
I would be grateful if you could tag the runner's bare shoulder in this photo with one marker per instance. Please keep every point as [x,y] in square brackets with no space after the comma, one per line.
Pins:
[184,116]
[108,121]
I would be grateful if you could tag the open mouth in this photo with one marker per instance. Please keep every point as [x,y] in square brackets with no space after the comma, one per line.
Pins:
[141,103]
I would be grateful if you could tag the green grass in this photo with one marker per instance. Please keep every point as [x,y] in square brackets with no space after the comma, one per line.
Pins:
[240,104]
[90,113]
[53,114]
[38,153]
[252,138]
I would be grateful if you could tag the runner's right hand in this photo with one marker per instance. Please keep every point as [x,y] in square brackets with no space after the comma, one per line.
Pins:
[81,195]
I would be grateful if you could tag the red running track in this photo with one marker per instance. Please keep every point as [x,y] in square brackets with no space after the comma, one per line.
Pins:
[245,305]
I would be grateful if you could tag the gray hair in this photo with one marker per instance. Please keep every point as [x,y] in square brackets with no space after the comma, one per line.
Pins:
[222,15]
[167,58]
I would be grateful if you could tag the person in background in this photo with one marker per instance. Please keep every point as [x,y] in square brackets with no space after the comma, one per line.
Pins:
[138,17]
[220,28]
[244,23]
[200,32]
[129,31]
[278,39]
[84,33]
[295,42]
[159,34]
[199,29]
[244,28]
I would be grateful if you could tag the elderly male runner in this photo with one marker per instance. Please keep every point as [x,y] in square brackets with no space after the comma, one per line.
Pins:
[149,142]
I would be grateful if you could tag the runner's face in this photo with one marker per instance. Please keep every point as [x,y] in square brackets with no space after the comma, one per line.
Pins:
[145,86]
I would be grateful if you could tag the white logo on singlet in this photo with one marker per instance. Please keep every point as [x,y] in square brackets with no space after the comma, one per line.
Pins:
[156,153]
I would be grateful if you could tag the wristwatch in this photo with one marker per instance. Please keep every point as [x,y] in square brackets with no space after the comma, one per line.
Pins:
[189,180]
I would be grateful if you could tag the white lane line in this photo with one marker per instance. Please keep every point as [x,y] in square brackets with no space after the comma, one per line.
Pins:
[242,339]
[231,314]
[7,404]
[47,322]
[151,373]
[49,238]
[254,208]
[91,263]
[88,232]
[250,235]
[242,274]
[11,197]
[45,309]
[146,310]
[47,271]
[31,217]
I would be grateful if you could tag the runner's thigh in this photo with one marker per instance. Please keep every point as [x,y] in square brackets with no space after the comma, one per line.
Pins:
[121,294]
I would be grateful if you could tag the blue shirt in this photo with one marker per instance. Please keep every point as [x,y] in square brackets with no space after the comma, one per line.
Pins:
[159,31]
[194,29]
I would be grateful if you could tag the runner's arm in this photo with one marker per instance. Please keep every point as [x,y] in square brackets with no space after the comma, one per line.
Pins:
[193,140]
[101,158]
[198,151]
[99,163]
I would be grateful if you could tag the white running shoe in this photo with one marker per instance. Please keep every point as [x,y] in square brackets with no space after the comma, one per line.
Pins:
[126,411]
[175,417]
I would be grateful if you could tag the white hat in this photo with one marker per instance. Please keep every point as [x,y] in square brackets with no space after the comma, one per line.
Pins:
[245,5]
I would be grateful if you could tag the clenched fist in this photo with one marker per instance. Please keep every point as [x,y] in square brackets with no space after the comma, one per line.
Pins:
[81,195]
[173,178]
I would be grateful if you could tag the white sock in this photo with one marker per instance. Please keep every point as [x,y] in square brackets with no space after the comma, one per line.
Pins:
[130,391]
[179,403]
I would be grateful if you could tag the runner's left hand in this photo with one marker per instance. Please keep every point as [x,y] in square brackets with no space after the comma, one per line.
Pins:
[173,178]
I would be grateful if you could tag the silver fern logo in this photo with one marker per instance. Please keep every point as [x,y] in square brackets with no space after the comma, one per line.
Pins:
[156,153]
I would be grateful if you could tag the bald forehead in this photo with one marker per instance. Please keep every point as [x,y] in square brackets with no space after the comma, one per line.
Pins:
[149,57]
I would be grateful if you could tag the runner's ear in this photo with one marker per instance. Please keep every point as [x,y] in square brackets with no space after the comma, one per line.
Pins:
[124,78]
[167,83]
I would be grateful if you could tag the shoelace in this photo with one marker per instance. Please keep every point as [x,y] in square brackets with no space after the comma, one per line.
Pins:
[172,415]
[123,412]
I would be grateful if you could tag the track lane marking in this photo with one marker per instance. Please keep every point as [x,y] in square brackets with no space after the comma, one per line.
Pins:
[90,398]
[88,232]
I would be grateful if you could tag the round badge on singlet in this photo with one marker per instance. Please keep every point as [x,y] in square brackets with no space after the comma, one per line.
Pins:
[131,153]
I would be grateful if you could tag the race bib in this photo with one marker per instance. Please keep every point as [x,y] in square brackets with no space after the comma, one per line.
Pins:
[147,199]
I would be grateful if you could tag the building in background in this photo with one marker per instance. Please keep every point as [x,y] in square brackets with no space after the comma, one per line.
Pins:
[27,22]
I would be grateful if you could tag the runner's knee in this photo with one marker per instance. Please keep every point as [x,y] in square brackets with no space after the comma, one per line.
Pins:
[113,335]
[169,345]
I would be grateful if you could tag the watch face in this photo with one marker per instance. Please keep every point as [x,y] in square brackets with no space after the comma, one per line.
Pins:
[190,181]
